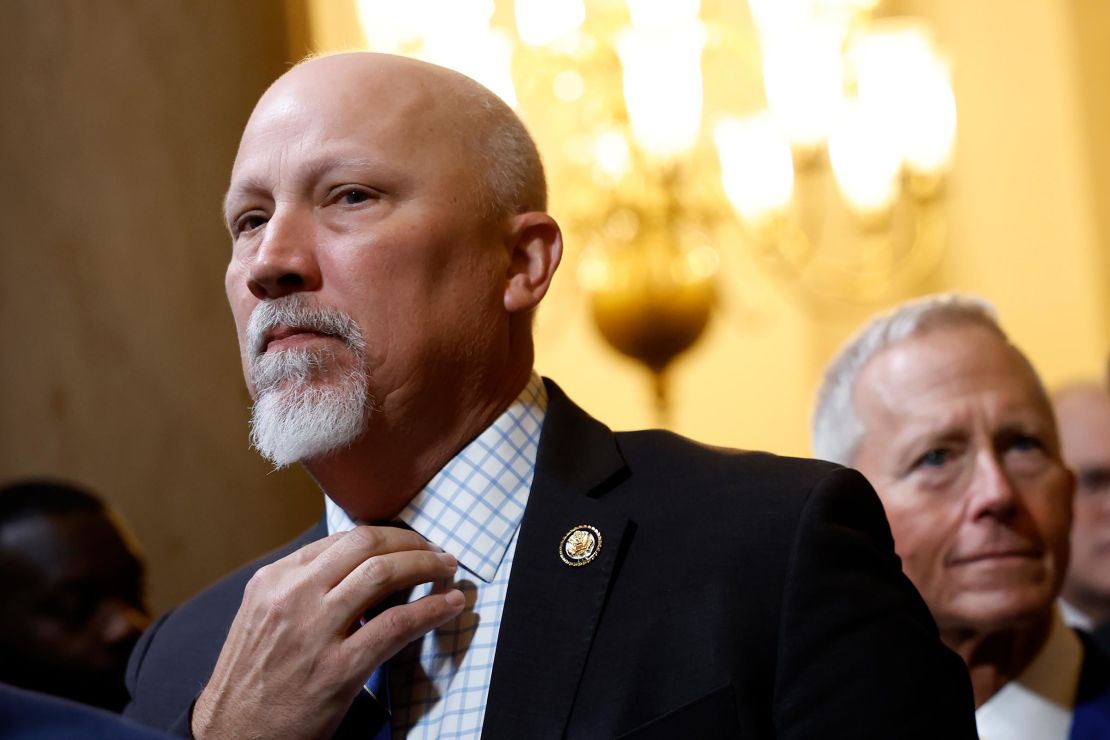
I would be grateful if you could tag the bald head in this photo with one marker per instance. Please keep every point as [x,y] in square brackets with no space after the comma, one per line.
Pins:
[388,249]
[431,103]
[1083,413]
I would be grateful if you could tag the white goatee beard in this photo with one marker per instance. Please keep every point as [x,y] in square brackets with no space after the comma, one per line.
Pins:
[305,407]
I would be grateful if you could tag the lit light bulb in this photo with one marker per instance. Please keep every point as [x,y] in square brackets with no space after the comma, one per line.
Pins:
[540,22]
[866,159]
[774,17]
[663,87]
[756,168]
[660,15]
[902,78]
[803,76]
[463,40]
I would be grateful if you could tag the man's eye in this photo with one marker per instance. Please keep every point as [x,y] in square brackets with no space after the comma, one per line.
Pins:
[1023,442]
[934,458]
[248,222]
[351,195]
[1094,480]
[354,197]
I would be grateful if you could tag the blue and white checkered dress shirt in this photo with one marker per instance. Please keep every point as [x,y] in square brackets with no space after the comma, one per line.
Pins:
[472,509]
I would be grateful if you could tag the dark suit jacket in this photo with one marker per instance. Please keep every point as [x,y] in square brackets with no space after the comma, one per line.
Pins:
[1101,638]
[1091,714]
[736,594]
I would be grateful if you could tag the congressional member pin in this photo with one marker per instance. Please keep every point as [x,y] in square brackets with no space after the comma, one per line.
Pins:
[580,545]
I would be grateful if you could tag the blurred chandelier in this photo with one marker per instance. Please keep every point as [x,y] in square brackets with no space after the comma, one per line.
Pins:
[818,137]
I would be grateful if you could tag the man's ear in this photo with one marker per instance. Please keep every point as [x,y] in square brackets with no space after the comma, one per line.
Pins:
[535,246]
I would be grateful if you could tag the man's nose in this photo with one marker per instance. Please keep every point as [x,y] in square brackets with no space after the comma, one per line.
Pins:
[285,262]
[991,490]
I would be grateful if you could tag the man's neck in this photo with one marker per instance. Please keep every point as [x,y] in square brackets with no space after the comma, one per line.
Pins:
[377,476]
[994,659]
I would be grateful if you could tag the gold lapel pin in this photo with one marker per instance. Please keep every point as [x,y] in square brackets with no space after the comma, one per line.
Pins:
[580,545]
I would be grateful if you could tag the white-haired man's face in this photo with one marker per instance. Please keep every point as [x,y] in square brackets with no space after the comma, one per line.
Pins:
[960,443]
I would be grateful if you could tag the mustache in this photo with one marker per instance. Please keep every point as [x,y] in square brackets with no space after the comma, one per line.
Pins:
[299,311]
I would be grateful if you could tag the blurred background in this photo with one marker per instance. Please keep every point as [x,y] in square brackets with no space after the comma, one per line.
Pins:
[741,184]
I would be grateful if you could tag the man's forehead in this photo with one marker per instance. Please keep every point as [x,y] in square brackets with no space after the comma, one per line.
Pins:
[359,86]
[307,113]
[352,111]
[941,379]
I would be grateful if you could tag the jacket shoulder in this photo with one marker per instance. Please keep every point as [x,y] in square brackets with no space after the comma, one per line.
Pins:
[673,461]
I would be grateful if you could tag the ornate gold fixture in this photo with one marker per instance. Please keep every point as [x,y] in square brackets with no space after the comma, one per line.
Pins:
[821,129]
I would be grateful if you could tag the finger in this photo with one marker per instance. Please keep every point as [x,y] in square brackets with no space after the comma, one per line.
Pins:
[383,636]
[283,577]
[309,552]
[381,576]
[336,562]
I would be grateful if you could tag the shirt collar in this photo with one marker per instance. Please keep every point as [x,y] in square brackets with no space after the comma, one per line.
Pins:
[473,506]
[1038,703]
[1075,618]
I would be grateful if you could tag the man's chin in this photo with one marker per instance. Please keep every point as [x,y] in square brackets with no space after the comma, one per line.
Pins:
[284,456]
[999,611]
[306,426]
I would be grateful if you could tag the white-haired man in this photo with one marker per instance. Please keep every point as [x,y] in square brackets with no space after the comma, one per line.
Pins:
[951,425]
[389,245]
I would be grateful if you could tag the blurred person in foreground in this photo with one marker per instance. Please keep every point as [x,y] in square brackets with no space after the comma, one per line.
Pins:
[950,423]
[72,605]
[30,715]
[389,245]
[1083,413]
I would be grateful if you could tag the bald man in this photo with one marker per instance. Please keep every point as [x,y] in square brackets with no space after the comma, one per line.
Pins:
[492,561]
[1083,413]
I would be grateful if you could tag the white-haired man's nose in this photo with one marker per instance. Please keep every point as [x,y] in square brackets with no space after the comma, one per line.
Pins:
[991,492]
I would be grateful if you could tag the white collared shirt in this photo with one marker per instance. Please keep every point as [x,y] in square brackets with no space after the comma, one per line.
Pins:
[1075,618]
[1039,702]
[472,509]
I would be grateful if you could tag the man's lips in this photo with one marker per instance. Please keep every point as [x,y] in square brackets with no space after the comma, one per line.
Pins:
[283,337]
[999,555]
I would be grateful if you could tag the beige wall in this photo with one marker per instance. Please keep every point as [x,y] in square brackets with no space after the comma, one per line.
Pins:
[119,365]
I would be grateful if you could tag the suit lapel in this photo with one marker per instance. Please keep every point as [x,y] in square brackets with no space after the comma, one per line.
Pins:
[552,609]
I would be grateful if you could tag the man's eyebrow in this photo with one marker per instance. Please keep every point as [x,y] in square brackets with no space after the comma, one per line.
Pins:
[312,172]
[317,168]
[944,424]
[240,189]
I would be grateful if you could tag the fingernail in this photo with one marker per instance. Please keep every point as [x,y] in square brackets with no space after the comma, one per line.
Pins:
[455,597]
[448,559]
